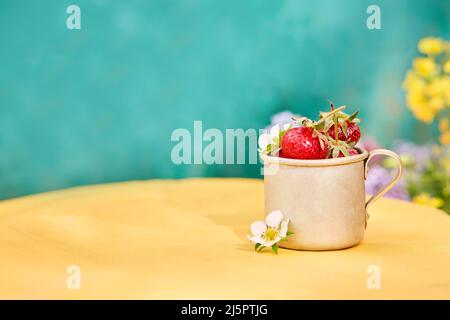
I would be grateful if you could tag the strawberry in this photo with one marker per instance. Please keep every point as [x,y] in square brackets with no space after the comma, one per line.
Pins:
[353,132]
[348,129]
[302,143]
[317,139]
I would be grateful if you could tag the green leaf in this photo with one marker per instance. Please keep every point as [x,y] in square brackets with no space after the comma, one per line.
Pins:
[260,247]
[300,119]
[282,132]
[344,128]
[271,148]
[275,150]
[275,248]
[328,125]
[341,115]
[276,141]
[335,152]
[353,116]
[322,144]
[344,151]
[323,114]
[257,245]
[320,125]
[289,233]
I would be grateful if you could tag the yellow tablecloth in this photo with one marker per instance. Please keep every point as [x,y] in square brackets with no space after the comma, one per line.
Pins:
[187,239]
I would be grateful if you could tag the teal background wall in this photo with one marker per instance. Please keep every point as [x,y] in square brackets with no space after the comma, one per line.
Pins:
[99,104]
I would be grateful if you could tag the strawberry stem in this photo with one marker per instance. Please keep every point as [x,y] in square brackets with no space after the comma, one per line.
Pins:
[331,113]
[331,104]
[301,119]
[335,111]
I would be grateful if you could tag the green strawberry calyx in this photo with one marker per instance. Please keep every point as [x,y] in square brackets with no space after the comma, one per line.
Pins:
[320,129]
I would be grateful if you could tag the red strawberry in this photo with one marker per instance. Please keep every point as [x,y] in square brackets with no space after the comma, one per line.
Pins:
[299,143]
[353,131]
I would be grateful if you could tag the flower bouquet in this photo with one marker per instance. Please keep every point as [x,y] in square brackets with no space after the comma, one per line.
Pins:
[427,87]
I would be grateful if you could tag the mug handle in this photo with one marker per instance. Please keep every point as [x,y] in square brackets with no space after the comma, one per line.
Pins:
[389,186]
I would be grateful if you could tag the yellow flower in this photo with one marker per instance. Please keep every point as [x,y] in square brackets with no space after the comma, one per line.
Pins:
[413,81]
[426,200]
[445,138]
[425,66]
[445,132]
[445,87]
[425,115]
[436,103]
[431,46]
[443,125]
[434,88]
[417,103]
[447,67]
[416,99]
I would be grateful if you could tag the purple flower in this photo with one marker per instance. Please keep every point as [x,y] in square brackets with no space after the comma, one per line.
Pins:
[368,143]
[379,177]
[421,154]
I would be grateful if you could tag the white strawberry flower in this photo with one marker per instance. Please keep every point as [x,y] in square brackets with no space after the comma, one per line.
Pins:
[268,233]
